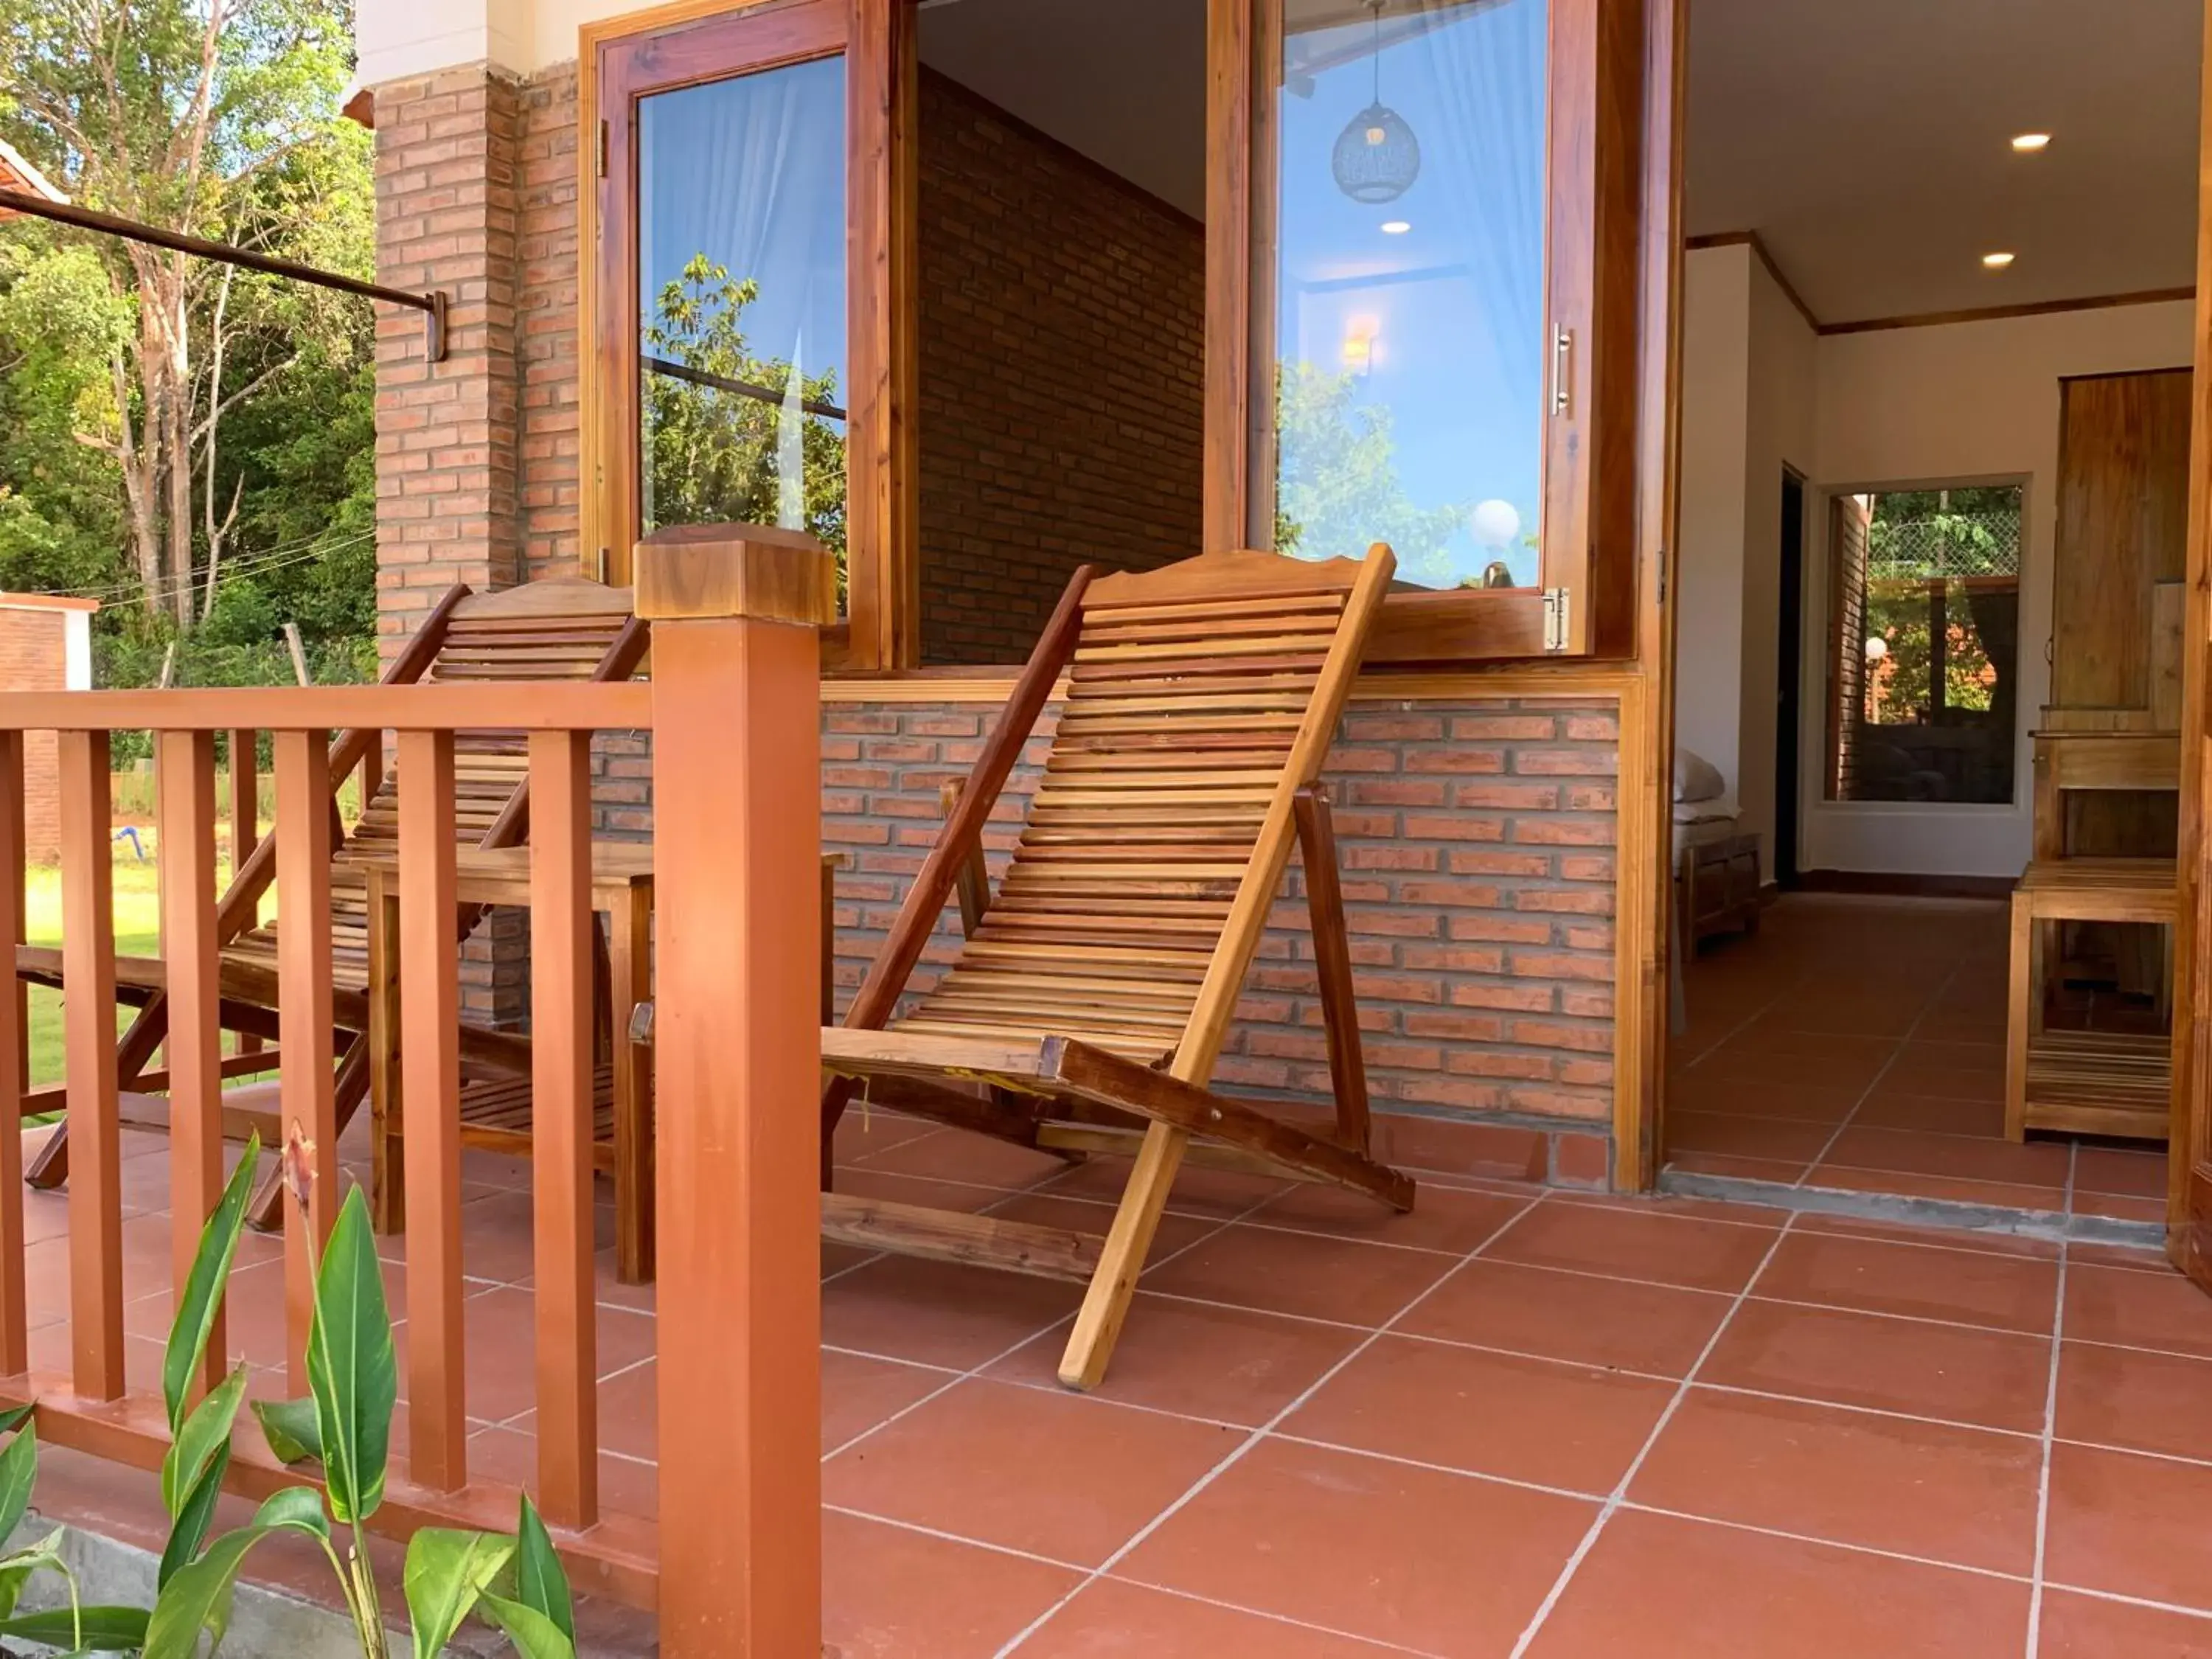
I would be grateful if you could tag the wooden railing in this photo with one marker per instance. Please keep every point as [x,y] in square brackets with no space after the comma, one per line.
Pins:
[733,705]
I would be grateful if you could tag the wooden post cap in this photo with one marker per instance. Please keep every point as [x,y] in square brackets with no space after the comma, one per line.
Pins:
[699,572]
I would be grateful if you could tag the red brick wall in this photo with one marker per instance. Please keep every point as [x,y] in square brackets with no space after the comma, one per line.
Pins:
[34,657]
[1476,845]
[1062,339]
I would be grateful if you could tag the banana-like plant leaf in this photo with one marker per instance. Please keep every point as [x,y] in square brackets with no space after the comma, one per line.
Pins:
[18,1472]
[188,1529]
[350,1365]
[446,1571]
[204,1287]
[207,1428]
[540,1582]
[16,1569]
[289,1427]
[534,1635]
[103,1629]
[12,1420]
[199,1594]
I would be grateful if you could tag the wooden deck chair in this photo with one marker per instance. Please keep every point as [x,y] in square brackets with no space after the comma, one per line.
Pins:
[1098,983]
[559,629]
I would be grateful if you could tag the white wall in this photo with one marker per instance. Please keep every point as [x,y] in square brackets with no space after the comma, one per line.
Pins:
[1966,401]
[1749,370]
[394,39]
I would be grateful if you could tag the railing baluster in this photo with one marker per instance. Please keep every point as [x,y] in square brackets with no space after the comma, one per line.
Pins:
[15,1065]
[306,1088]
[561,1124]
[430,1111]
[187,774]
[95,1191]
[245,821]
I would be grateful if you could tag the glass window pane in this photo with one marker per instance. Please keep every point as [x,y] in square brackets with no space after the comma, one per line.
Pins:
[1926,645]
[1410,285]
[741,291]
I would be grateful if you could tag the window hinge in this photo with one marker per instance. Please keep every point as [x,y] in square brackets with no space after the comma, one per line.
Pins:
[603,149]
[1662,575]
[1556,618]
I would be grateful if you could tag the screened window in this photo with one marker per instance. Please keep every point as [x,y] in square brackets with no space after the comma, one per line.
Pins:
[1924,625]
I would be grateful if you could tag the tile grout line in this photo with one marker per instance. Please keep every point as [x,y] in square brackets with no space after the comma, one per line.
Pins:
[2050,1435]
[1618,1496]
[1874,1082]
[1237,1454]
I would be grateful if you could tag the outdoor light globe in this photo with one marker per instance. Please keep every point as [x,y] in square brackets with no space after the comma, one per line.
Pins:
[1495,523]
[1377,158]
[1876,648]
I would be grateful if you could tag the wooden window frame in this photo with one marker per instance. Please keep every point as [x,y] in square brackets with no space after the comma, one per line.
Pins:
[626,59]
[1593,292]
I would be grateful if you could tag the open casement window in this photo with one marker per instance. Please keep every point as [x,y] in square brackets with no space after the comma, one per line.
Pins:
[1424,295]
[751,182]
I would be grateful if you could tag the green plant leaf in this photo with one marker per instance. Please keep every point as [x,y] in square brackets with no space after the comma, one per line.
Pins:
[18,1472]
[106,1630]
[350,1365]
[289,1427]
[204,1287]
[540,1582]
[199,1594]
[16,1569]
[188,1529]
[534,1635]
[12,1420]
[446,1571]
[207,1428]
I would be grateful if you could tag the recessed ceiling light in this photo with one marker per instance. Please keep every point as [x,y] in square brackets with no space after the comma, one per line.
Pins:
[1396,227]
[2028,143]
[1996,261]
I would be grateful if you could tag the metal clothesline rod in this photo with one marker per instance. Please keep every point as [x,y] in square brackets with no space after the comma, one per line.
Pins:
[432,305]
[766,394]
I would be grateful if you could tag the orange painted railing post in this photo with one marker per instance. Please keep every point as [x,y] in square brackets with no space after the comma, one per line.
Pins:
[737,1058]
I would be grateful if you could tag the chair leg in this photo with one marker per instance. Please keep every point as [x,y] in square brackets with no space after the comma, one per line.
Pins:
[1128,1241]
[133,1050]
[1339,1010]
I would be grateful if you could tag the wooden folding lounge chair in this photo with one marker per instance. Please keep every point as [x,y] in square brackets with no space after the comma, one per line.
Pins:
[1095,990]
[562,629]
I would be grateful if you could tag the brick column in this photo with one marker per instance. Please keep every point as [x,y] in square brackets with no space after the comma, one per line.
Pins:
[448,505]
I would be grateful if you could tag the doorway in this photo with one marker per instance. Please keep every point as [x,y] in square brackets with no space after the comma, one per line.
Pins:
[1790,633]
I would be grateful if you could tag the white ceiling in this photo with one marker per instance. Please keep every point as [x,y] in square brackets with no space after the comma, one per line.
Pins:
[1121,81]
[1867,144]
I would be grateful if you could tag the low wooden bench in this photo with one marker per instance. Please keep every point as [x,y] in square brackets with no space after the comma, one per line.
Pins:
[2085,1082]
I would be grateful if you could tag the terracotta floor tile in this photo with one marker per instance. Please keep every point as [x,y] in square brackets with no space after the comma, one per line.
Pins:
[1442,1219]
[499,1328]
[1538,1420]
[1215,1195]
[1785,1070]
[1889,1105]
[510,1455]
[2148,1259]
[1048,1473]
[1743,1168]
[1227,1365]
[1111,1620]
[2131,1525]
[859,1391]
[1079,1215]
[1444,1564]
[2139,1310]
[2110,1170]
[1971,1287]
[1985,1240]
[1962,1157]
[970,1197]
[1598,1322]
[957,1155]
[1963,1496]
[1994,1379]
[1696,1255]
[1695,1091]
[2153,1402]
[1967,1083]
[888,1593]
[1782,1140]
[1658,1587]
[1301,1273]
[1764,1216]
[2121,1207]
[2089,1627]
[1901,1184]
[860,1134]
[936,1313]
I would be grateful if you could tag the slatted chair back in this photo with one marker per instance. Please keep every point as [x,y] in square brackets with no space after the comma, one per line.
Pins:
[1200,698]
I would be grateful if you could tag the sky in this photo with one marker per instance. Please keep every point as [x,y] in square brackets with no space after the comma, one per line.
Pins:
[1455,303]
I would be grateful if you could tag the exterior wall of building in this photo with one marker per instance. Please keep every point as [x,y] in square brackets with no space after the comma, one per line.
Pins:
[43,647]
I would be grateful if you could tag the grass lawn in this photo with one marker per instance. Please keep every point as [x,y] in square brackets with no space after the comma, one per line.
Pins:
[137,933]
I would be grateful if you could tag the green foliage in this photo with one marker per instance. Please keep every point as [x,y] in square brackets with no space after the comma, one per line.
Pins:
[352,1370]
[1338,492]
[712,454]
[445,1573]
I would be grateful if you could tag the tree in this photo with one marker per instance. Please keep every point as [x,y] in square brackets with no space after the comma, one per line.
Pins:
[217,118]
[716,454]
[1339,492]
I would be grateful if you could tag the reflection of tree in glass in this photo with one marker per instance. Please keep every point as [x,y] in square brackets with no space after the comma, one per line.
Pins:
[1337,492]
[711,455]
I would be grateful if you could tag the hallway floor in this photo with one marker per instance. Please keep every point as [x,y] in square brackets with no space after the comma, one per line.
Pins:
[1858,1043]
